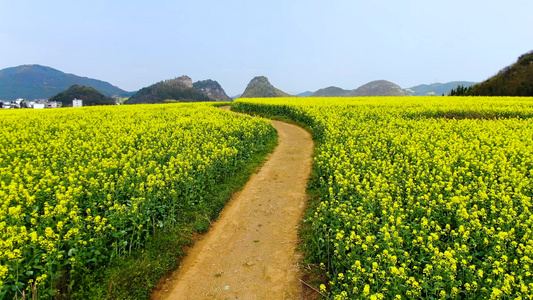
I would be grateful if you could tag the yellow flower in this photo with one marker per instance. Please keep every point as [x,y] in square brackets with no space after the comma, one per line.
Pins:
[366,289]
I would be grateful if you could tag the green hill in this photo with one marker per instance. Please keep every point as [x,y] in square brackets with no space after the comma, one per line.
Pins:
[89,96]
[514,80]
[260,87]
[378,88]
[179,89]
[40,82]
[331,91]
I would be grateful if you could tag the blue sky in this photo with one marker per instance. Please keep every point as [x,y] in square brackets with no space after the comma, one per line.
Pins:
[299,45]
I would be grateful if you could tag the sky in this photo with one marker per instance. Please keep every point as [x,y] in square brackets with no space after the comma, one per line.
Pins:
[299,45]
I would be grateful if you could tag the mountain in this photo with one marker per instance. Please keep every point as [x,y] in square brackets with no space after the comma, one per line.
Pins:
[40,82]
[211,89]
[260,87]
[179,89]
[89,96]
[331,91]
[305,94]
[236,96]
[514,80]
[378,88]
[436,89]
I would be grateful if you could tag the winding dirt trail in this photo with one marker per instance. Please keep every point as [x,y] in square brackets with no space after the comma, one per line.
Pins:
[250,251]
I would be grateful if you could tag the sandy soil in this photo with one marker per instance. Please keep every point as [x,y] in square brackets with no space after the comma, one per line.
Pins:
[250,251]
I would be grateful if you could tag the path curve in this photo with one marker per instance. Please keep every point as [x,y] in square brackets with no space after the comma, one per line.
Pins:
[250,251]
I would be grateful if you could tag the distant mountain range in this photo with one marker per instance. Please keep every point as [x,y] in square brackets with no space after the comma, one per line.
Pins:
[387,88]
[305,94]
[436,89]
[260,87]
[41,82]
[373,88]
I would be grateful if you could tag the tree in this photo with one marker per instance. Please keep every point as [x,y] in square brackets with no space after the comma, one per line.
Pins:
[460,91]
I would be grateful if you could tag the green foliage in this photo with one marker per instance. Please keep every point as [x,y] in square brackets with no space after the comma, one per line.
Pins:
[515,80]
[89,96]
[460,91]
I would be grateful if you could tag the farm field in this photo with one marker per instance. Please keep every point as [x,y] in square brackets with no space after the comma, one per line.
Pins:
[420,197]
[81,188]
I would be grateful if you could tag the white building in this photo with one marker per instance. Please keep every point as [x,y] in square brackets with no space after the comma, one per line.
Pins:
[51,105]
[38,106]
[77,103]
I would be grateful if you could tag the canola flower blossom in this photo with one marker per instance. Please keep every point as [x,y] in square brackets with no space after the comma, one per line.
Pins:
[420,197]
[80,187]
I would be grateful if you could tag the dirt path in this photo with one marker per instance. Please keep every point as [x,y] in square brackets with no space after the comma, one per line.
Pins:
[250,251]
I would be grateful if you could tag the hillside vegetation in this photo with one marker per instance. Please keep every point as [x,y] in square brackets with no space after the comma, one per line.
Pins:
[89,96]
[174,90]
[41,82]
[514,80]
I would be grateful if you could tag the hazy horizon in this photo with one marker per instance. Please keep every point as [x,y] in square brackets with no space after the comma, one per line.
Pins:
[299,46]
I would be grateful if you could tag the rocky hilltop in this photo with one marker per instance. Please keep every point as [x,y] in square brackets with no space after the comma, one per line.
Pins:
[331,91]
[179,89]
[182,82]
[41,82]
[260,87]
[212,89]
[378,88]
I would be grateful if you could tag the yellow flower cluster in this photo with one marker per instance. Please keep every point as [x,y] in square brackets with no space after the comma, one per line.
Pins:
[421,197]
[79,187]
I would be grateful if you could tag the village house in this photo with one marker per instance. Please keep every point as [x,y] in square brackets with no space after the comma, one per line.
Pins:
[77,102]
[35,104]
